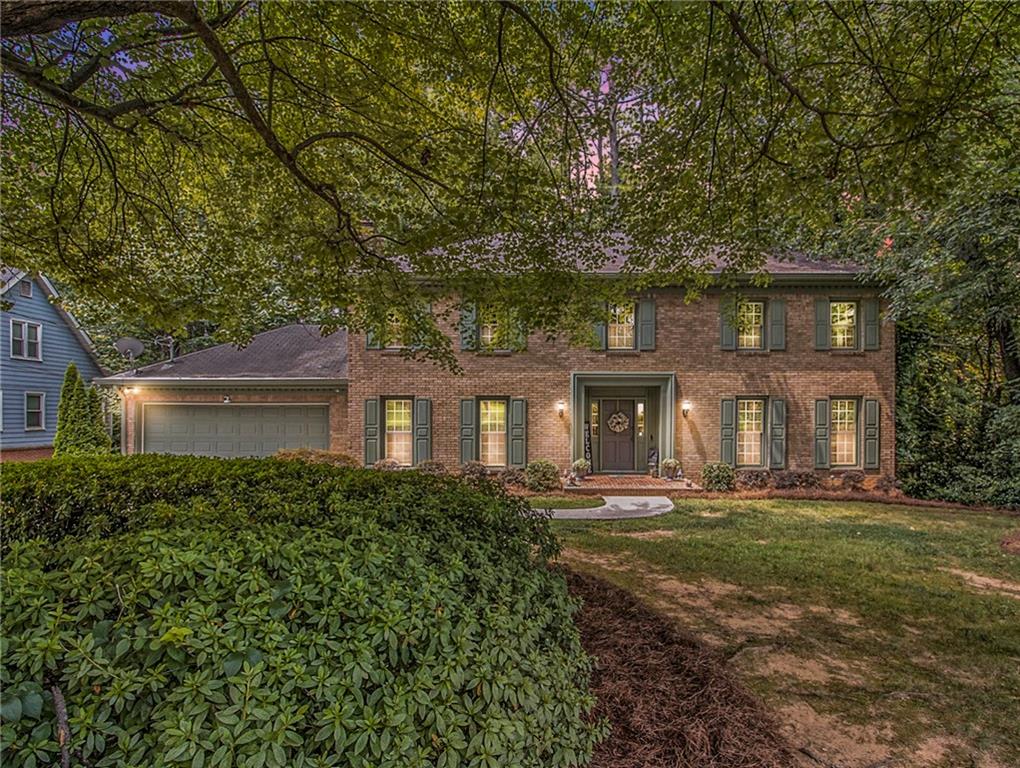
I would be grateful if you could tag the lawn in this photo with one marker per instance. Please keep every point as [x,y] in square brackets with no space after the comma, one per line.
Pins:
[877,634]
[565,502]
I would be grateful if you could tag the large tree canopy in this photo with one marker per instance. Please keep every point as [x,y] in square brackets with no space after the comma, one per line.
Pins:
[229,161]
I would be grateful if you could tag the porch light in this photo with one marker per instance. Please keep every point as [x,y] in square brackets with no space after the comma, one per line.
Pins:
[685,407]
[561,408]
[226,399]
[131,391]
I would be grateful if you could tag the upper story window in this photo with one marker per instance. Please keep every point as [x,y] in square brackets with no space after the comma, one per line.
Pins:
[26,340]
[394,331]
[751,325]
[492,432]
[620,329]
[750,432]
[843,324]
[35,411]
[25,289]
[843,435]
[399,445]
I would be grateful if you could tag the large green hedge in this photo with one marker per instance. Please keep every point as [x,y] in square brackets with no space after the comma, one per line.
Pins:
[273,613]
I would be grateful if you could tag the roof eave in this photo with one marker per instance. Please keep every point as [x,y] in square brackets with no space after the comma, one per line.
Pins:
[213,382]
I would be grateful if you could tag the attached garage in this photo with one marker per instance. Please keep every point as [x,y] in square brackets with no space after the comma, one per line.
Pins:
[233,430]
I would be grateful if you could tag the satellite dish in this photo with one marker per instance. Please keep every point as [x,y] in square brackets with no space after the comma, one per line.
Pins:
[129,347]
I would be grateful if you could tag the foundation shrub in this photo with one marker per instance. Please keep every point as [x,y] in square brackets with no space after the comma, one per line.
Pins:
[753,479]
[852,480]
[432,467]
[316,456]
[718,476]
[792,478]
[512,476]
[542,475]
[474,470]
[387,465]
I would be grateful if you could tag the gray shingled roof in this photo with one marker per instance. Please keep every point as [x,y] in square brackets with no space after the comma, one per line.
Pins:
[290,352]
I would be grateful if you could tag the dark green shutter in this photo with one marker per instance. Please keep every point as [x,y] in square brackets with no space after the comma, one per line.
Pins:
[518,432]
[371,342]
[822,332]
[469,327]
[646,324]
[821,434]
[869,308]
[372,430]
[727,332]
[872,443]
[777,324]
[422,430]
[728,432]
[468,438]
[777,434]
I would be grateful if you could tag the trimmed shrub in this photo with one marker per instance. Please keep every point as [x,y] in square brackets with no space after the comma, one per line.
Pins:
[317,456]
[789,478]
[887,484]
[718,476]
[512,476]
[432,467]
[387,465]
[474,470]
[542,475]
[753,479]
[851,480]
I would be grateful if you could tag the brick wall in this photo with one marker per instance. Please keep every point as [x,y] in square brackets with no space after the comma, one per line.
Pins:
[687,342]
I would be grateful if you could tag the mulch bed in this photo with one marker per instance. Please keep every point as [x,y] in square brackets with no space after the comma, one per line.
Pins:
[669,701]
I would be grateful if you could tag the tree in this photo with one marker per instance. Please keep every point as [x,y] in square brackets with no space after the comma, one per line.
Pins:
[80,428]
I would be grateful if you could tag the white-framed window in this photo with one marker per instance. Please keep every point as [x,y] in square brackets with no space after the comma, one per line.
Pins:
[394,331]
[26,340]
[492,432]
[25,289]
[35,411]
[399,441]
[843,432]
[488,328]
[751,325]
[620,329]
[750,432]
[843,324]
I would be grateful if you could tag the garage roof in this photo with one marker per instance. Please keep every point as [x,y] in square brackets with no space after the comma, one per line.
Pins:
[292,353]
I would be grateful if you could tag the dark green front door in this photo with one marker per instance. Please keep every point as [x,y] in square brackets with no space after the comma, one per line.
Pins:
[616,433]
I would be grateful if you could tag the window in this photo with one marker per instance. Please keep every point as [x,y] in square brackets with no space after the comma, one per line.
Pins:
[26,340]
[594,418]
[398,431]
[843,324]
[394,331]
[843,437]
[35,416]
[640,419]
[751,325]
[492,434]
[620,330]
[750,432]
[25,289]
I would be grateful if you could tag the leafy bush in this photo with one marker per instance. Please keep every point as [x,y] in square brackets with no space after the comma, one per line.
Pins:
[753,479]
[80,428]
[512,476]
[887,484]
[474,470]
[432,467]
[317,456]
[387,465]
[851,480]
[791,478]
[671,468]
[718,476]
[542,475]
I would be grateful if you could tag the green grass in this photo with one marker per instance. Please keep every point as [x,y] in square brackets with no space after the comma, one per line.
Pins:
[565,502]
[930,654]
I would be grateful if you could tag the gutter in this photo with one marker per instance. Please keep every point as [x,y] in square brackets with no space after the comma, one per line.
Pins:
[212,382]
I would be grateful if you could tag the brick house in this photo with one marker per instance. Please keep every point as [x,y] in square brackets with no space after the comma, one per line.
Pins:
[800,376]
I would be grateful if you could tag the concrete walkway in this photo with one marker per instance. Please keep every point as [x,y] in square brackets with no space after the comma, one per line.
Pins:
[619,508]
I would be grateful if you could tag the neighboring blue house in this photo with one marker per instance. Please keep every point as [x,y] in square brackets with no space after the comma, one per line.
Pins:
[37,341]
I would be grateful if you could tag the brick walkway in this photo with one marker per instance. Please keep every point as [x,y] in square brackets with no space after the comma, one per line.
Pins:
[629,485]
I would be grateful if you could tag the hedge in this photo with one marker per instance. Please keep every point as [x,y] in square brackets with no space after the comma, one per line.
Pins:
[270,613]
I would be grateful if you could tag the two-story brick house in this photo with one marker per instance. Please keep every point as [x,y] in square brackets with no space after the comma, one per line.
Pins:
[800,376]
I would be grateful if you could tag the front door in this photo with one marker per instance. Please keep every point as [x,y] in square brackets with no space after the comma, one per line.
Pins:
[616,434]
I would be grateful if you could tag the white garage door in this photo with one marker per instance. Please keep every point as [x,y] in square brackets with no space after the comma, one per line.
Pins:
[233,430]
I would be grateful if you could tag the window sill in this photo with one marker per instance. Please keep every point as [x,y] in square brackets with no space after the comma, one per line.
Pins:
[847,352]
[753,352]
[393,351]
[35,429]
[495,352]
[27,359]
[623,352]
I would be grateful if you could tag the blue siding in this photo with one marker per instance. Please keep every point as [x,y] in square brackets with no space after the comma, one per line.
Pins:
[60,346]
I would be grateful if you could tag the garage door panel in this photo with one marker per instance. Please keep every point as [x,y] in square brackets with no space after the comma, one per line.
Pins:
[230,430]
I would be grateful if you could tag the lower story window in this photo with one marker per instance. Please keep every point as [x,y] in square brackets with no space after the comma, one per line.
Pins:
[750,431]
[398,431]
[492,432]
[843,438]
[34,415]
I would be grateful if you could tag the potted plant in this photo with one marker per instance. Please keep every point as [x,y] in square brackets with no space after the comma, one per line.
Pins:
[671,469]
[581,468]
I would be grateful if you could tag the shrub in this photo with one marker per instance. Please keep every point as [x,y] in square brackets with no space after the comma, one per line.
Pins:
[753,479]
[275,645]
[432,467]
[671,468]
[387,465]
[474,470]
[718,476]
[317,456]
[851,480]
[542,475]
[512,476]
[887,484]
[80,428]
[789,478]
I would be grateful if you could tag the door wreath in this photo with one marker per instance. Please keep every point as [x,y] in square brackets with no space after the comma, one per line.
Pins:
[618,422]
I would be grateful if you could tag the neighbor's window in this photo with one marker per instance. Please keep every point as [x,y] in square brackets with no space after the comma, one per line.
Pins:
[750,429]
[25,289]
[26,340]
[843,435]
[398,431]
[620,330]
[492,432]
[843,324]
[34,412]
[751,322]
[488,327]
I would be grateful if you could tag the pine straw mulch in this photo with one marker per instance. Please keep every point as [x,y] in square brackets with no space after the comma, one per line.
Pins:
[669,701]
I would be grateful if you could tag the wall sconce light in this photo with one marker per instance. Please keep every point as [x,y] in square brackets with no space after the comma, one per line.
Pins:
[561,408]
[226,399]
[685,407]
[131,391]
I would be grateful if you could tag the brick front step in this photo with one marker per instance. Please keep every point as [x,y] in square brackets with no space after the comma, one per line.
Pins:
[628,485]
